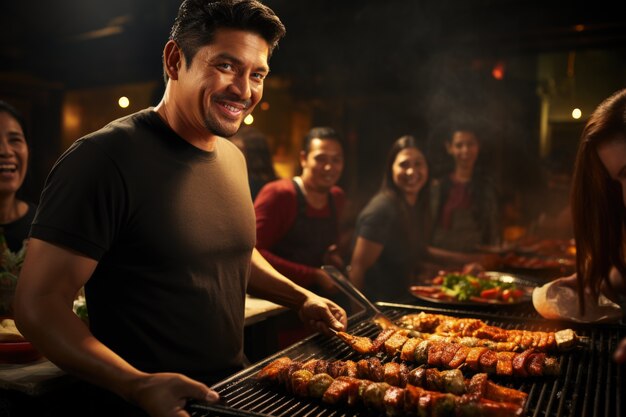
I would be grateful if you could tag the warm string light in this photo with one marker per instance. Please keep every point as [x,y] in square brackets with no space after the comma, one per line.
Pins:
[123,102]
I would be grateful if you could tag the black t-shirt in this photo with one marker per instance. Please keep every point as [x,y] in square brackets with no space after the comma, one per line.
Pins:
[384,221]
[16,232]
[173,229]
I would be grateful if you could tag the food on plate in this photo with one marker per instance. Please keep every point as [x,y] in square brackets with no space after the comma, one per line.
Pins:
[394,390]
[454,355]
[10,333]
[472,288]
[468,327]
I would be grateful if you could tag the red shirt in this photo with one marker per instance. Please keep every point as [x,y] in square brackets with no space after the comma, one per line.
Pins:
[276,208]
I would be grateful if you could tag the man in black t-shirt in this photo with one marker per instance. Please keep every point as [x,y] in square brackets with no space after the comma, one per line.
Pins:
[152,215]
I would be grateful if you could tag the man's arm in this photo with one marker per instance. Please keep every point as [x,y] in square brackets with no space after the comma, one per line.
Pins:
[48,283]
[320,313]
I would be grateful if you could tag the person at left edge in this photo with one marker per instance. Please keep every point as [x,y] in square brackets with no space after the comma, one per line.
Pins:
[297,219]
[153,215]
[16,214]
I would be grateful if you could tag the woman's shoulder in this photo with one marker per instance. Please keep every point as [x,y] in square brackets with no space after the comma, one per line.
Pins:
[381,202]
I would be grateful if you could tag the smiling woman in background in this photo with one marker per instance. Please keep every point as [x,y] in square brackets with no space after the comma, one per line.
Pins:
[15,215]
[391,231]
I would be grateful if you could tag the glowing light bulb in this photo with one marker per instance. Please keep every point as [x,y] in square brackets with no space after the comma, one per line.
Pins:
[576,113]
[248,120]
[123,102]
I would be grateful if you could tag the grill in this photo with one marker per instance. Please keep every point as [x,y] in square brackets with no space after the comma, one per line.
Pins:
[589,384]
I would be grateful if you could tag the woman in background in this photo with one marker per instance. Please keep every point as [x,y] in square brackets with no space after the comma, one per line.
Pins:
[391,231]
[598,203]
[16,215]
[464,202]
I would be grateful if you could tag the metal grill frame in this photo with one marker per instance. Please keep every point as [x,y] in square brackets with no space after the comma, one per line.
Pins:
[590,384]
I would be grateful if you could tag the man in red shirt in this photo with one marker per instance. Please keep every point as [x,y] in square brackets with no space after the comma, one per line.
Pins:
[297,220]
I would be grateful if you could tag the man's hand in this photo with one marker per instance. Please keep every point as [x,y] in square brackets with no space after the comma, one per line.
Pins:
[165,394]
[619,355]
[322,315]
[333,257]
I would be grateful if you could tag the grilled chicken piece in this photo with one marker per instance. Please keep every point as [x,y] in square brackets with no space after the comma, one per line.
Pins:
[466,327]
[459,357]
[408,349]
[505,363]
[395,342]
[362,345]
[271,371]
[342,389]
[382,337]
[394,401]
[395,374]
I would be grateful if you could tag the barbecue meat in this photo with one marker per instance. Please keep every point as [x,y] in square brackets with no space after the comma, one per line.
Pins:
[452,355]
[318,384]
[466,327]
[372,371]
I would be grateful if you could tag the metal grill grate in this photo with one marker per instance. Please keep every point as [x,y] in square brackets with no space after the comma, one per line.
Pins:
[590,384]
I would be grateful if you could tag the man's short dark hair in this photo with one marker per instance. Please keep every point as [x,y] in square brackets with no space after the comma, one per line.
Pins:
[322,132]
[197,21]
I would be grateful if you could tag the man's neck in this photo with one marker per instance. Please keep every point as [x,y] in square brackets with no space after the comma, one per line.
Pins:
[201,139]
[316,198]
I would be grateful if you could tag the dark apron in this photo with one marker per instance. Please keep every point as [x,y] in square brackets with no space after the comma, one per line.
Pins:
[309,238]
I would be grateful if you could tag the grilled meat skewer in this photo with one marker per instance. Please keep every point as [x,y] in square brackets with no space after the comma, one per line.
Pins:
[384,397]
[467,327]
[454,355]
[398,374]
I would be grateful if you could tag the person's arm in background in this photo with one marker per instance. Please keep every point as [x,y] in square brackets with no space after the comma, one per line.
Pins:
[491,206]
[467,262]
[318,312]
[364,255]
[49,281]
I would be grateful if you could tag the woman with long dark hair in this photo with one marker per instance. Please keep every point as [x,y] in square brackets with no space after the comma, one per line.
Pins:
[391,231]
[598,201]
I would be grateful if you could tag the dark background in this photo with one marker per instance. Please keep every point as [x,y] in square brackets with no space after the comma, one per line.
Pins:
[373,69]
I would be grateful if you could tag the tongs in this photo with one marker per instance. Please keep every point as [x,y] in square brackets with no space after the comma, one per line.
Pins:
[348,287]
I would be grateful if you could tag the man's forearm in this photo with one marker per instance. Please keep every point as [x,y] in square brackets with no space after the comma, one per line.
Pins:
[65,340]
[267,283]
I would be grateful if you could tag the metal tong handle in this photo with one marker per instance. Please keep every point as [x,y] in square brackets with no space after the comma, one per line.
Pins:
[345,284]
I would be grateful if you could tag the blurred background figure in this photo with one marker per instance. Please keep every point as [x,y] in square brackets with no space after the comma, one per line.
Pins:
[255,147]
[391,234]
[16,215]
[298,218]
[597,291]
[297,222]
[465,205]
